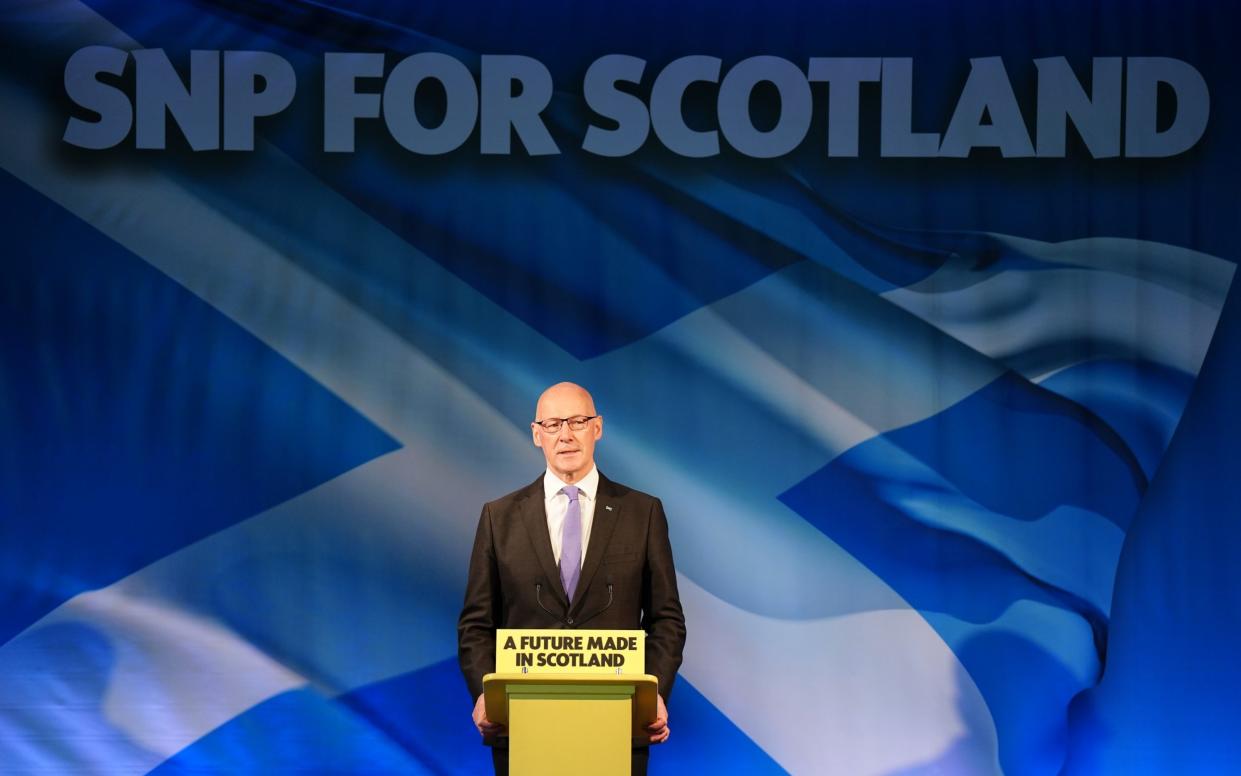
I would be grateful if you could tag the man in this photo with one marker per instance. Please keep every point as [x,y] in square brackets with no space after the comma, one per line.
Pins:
[569,547]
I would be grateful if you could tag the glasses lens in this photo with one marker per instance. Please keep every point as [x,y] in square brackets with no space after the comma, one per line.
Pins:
[578,423]
[551,426]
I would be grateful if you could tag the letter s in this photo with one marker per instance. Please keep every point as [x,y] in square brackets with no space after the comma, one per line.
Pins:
[629,113]
[116,113]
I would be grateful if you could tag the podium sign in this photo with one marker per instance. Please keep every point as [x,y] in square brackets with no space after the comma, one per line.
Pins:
[574,701]
[561,652]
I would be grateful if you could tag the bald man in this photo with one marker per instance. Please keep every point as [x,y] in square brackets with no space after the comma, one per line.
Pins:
[545,555]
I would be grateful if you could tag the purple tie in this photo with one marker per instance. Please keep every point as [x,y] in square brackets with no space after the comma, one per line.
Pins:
[571,543]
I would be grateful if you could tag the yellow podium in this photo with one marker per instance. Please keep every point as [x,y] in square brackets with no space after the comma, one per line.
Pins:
[571,719]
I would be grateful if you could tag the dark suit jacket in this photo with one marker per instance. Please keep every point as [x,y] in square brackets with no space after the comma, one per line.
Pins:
[513,553]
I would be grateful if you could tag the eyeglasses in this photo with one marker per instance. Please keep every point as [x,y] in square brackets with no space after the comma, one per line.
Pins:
[576,423]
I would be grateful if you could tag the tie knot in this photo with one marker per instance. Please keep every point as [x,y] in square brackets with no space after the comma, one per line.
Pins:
[571,491]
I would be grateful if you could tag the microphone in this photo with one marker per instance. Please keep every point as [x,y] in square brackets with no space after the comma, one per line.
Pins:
[538,598]
[569,622]
[606,606]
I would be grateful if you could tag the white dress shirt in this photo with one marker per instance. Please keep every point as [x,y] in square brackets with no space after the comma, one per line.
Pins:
[556,505]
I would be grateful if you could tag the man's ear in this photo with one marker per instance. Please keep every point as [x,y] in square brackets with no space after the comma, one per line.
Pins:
[599,427]
[534,435]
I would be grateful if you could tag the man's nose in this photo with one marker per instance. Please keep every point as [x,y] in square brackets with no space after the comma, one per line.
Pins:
[566,433]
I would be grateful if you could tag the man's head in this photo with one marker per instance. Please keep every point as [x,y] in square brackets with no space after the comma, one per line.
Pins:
[570,452]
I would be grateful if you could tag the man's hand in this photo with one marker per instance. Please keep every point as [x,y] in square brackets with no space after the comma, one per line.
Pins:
[486,728]
[659,728]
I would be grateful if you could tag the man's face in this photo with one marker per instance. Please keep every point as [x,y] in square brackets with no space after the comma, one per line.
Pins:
[570,454]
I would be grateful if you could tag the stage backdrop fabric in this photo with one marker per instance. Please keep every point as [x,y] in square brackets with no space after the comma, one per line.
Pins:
[942,407]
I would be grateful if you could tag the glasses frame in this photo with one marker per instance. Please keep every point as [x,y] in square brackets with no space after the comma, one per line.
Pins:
[560,422]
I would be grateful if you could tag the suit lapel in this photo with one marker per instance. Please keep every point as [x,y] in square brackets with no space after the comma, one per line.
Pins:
[603,525]
[534,517]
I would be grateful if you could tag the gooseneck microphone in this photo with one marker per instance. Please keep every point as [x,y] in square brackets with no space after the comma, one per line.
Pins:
[538,598]
[593,615]
[569,622]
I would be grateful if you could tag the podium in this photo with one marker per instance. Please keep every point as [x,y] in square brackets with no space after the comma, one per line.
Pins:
[571,723]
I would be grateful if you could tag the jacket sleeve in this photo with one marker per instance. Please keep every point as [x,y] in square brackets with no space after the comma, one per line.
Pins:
[480,613]
[662,618]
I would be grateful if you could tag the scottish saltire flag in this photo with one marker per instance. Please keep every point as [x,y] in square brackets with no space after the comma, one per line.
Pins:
[906,418]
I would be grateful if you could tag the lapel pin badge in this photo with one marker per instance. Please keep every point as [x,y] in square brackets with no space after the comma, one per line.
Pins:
[608,507]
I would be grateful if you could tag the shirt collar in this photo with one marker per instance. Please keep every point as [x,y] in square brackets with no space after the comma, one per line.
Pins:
[587,486]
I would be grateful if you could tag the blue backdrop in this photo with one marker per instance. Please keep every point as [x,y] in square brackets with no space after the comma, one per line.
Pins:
[948,446]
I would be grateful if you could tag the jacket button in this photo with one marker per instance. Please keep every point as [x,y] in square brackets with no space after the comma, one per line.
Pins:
[569,621]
